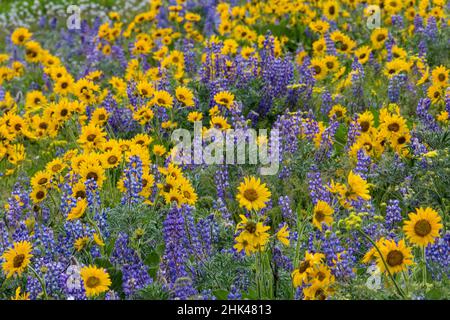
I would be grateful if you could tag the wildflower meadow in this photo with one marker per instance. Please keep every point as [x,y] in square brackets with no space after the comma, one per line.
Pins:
[224,150]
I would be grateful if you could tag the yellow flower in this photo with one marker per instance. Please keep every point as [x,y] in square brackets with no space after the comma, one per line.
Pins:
[224,98]
[283,235]
[253,233]
[331,10]
[319,47]
[185,96]
[38,194]
[430,154]
[247,52]
[378,37]
[363,54]
[145,89]
[78,211]
[370,256]
[79,191]
[443,117]
[319,68]
[423,227]
[338,112]
[319,26]
[96,280]
[159,150]
[397,256]
[395,66]
[80,243]
[21,296]
[435,93]
[331,63]
[357,187]
[321,275]
[41,179]
[98,240]
[316,291]
[163,99]
[220,123]
[392,125]
[17,258]
[20,36]
[440,76]
[99,116]
[322,214]
[243,242]
[55,166]
[95,172]
[194,116]
[112,158]
[253,194]
[35,99]
[305,268]
[174,196]
[188,194]
[366,121]
[143,115]
[92,137]
[214,111]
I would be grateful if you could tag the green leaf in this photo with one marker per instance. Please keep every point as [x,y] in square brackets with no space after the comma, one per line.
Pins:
[221,294]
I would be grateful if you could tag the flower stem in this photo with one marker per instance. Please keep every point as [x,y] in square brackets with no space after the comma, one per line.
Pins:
[399,291]
[41,281]
[424,270]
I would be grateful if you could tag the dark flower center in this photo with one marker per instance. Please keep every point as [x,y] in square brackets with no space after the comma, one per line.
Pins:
[18,260]
[317,70]
[92,282]
[40,195]
[250,195]
[380,37]
[92,175]
[187,194]
[80,194]
[250,227]
[319,216]
[112,159]
[401,140]
[321,276]
[394,127]
[303,266]
[395,258]
[332,10]
[365,125]
[422,228]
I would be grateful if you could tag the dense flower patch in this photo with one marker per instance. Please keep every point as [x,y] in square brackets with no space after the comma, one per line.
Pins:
[96,205]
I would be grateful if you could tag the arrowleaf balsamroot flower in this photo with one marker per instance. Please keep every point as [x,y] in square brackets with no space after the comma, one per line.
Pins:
[423,226]
[252,194]
[95,280]
[17,258]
